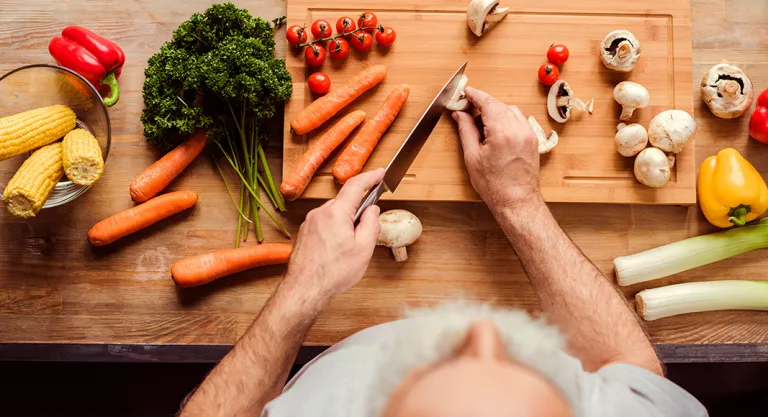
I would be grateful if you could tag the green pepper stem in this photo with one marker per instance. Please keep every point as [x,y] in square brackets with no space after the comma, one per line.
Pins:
[738,215]
[114,89]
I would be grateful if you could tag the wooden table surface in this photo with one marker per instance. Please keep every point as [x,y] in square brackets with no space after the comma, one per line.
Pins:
[57,290]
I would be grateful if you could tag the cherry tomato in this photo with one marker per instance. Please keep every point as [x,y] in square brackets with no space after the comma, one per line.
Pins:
[557,54]
[296,34]
[548,74]
[314,55]
[338,48]
[385,36]
[362,41]
[321,29]
[345,24]
[319,83]
[368,21]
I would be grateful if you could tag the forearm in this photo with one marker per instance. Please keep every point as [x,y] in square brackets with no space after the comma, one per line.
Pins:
[255,370]
[574,294]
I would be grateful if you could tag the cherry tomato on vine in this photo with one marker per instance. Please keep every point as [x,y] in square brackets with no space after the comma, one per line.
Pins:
[557,54]
[345,24]
[319,83]
[338,48]
[296,34]
[321,29]
[314,55]
[548,74]
[385,36]
[362,41]
[368,21]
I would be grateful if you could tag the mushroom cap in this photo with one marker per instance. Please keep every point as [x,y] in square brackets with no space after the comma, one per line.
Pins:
[546,143]
[631,94]
[398,228]
[724,101]
[671,130]
[560,114]
[477,12]
[611,45]
[631,139]
[652,168]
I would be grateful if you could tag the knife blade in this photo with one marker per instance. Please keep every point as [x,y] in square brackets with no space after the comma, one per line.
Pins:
[413,143]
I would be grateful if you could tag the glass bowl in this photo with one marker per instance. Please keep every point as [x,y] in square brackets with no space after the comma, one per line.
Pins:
[41,85]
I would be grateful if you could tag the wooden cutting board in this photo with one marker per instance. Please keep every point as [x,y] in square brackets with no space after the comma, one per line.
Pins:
[433,40]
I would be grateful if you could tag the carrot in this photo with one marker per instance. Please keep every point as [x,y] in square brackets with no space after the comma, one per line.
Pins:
[138,217]
[297,181]
[353,157]
[325,107]
[153,179]
[202,269]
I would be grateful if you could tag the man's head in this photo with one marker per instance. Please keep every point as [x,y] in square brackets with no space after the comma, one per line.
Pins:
[468,360]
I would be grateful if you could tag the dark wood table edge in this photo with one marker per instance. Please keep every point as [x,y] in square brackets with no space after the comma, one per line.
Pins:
[170,353]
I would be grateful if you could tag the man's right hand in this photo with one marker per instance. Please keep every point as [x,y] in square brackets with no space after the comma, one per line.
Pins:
[504,169]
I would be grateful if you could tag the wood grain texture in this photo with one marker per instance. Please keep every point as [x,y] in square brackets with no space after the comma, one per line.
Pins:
[55,288]
[433,40]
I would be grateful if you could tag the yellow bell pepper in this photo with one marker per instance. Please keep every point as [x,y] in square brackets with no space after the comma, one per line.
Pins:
[731,191]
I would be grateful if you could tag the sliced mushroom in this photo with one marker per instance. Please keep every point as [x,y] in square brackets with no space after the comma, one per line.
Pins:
[482,14]
[653,168]
[631,96]
[630,139]
[546,142]
[399,228]
[620,51]
[727,90]
[671,130]
[459,100]
[560,101]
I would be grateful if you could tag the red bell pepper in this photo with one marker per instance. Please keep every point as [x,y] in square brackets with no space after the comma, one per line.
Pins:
[758,123]
[98,60]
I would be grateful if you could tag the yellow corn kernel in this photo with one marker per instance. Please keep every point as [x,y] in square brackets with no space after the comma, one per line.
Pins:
[81,156]
[33,183]
[32,129]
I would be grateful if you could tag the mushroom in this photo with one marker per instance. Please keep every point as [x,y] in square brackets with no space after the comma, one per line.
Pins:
[727,90]
[630,139]
[546,143]
[399,228]
[671,130]
[482,14]
[653,168]
[459,100]
[620,50]
[560,101]
[631,96]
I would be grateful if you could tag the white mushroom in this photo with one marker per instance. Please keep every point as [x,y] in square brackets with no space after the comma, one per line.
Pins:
[671,130]
[630,139]
[727,90]
[459,100]
[546,143]
[560,101]
[620,50]
[482,14]
[631,96]
[652,168]
[399,228]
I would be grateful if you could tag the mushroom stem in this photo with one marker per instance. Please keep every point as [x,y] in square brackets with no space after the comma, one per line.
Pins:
[401,254]
[626,113]
[624,49]
[497,14]
[573,103]
[729,88]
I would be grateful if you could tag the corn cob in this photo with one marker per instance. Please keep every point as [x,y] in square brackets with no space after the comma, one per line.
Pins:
[33,183]
[81,156]
[32,129]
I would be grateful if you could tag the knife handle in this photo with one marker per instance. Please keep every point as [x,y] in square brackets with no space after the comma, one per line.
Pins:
[370,199]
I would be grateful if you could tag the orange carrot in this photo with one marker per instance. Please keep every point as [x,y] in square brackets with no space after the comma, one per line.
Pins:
[353,157]
[202,269]
[153,179]
[325,107]
[296,182]
[138,217]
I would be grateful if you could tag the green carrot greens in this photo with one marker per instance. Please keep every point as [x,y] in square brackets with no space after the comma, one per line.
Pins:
[219,73]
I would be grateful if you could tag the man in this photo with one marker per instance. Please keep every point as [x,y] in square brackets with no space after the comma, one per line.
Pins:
[590,358]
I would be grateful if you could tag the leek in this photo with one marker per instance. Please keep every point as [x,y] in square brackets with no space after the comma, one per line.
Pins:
[694,297]
[690,253]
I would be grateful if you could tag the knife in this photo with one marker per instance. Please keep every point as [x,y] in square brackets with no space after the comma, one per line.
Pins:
[408,151]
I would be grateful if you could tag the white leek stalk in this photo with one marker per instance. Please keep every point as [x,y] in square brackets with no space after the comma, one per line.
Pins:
[690,253]
[694,297]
